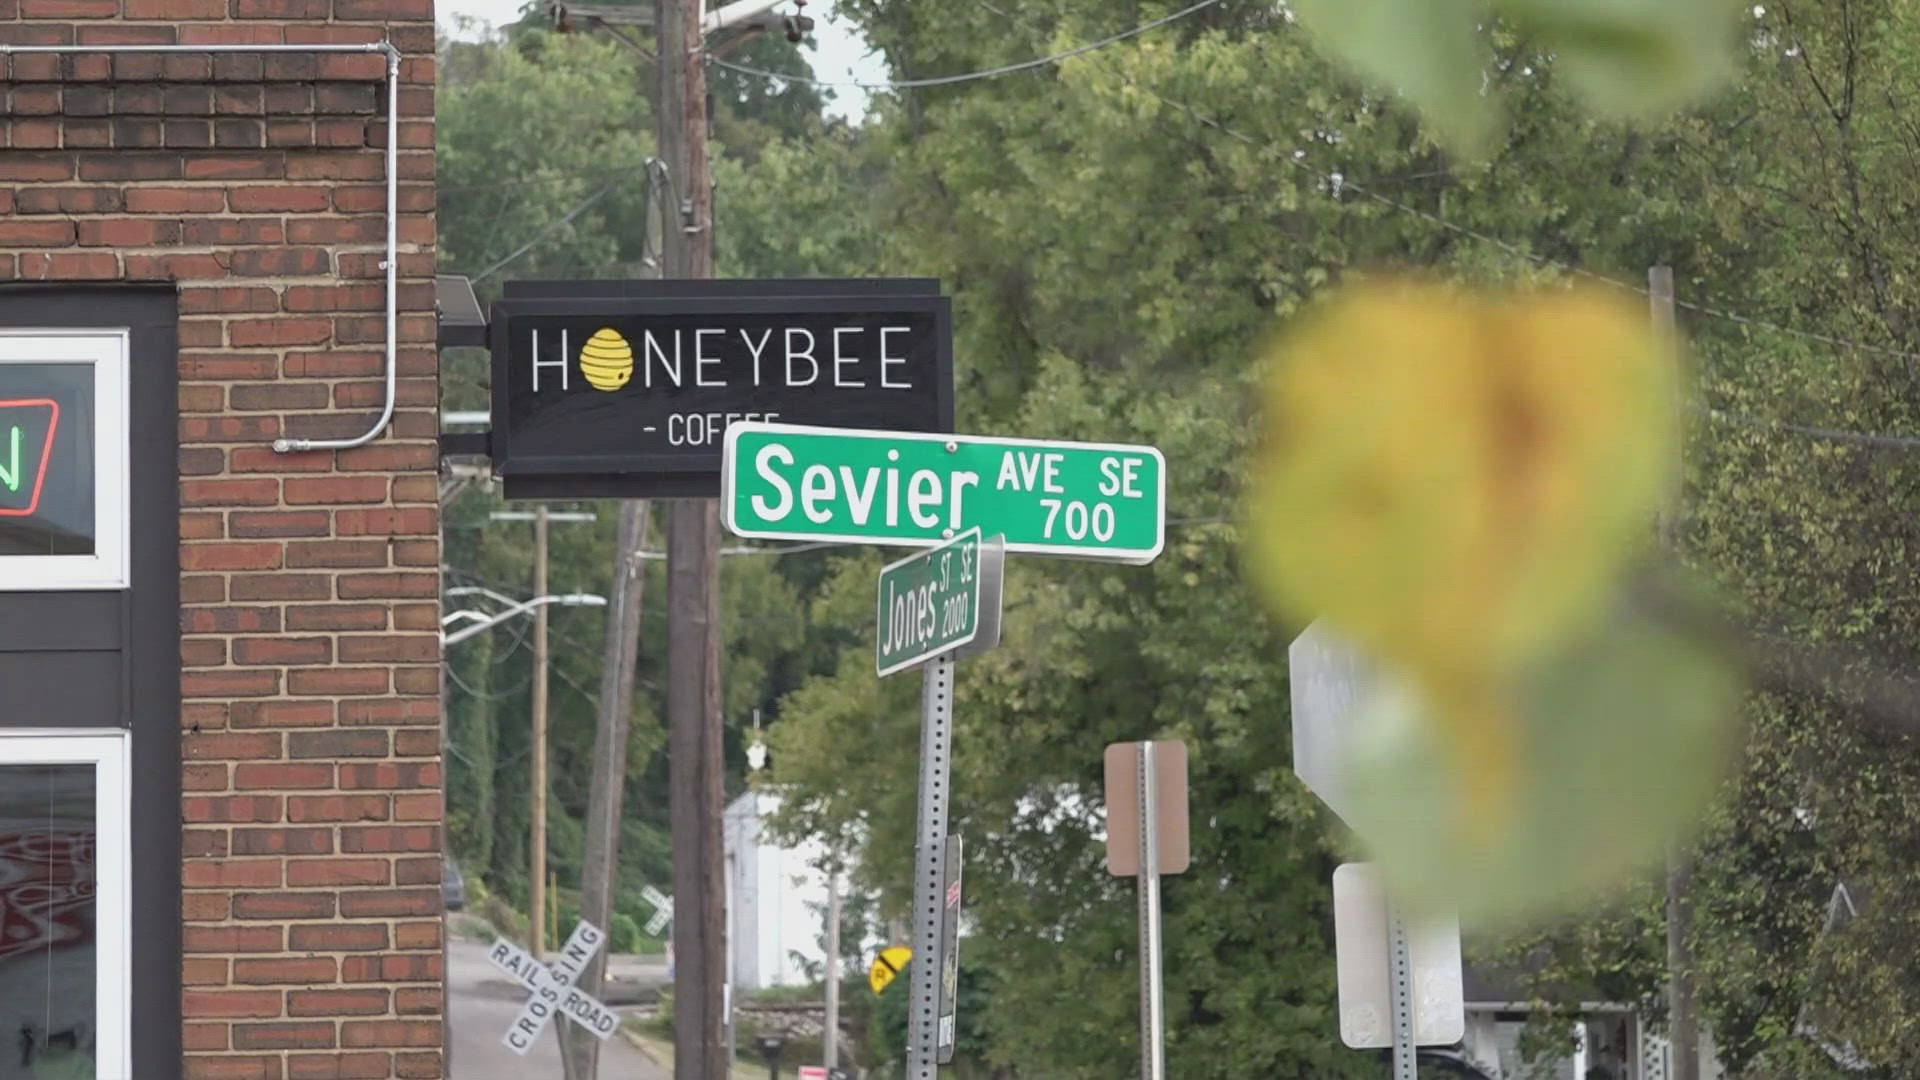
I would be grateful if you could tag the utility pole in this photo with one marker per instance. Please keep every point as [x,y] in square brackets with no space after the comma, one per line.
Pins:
[831,1048]
[1683,1018]
[537,853]
[600,861]
[693,595]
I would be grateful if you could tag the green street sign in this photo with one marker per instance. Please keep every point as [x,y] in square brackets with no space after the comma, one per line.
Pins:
[1087,500]
[940,601]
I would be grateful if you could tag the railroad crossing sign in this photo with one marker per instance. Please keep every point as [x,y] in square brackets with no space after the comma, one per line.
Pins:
[939,601]
[553,989]
[1088,500]
[663,909]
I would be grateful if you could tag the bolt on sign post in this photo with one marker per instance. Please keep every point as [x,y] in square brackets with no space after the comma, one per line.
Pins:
[1147,836]
[943,600]
[1330,680]
[1083,500]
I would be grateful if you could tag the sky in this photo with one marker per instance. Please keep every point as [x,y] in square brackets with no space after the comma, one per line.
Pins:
[839,51]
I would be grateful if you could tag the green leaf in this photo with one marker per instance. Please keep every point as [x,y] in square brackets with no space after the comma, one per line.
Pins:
[1635,57]
[1428,50]
[1621,739]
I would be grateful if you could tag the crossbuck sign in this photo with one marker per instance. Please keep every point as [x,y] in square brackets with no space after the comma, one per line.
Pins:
[663,909]
[553,989]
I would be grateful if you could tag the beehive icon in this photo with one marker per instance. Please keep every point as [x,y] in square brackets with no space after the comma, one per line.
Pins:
[607,360]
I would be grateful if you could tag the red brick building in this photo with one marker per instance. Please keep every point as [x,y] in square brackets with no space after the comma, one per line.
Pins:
[220,775]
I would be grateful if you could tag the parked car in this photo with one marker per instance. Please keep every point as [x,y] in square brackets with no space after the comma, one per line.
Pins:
[453,887]
[1452,1062]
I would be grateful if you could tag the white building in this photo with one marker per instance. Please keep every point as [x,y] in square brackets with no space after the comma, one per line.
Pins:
[776,900]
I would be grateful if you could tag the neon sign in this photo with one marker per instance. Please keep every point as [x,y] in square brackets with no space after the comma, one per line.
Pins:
[27,427]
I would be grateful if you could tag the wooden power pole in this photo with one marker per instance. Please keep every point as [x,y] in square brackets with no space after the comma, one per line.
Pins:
[600,859]
[1683,1017]
[537,842]
[693,595]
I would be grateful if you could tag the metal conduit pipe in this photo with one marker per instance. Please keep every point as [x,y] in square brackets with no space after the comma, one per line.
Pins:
[392,264]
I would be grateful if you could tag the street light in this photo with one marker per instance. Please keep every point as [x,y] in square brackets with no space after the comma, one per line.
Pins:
[484,620]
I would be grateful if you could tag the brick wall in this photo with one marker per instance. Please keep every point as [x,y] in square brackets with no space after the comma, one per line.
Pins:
[309,582]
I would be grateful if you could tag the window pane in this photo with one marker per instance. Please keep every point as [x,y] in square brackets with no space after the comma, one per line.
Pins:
[48,972]
[46,459]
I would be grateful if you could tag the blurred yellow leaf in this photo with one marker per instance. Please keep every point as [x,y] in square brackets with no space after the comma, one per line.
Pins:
[1452,478]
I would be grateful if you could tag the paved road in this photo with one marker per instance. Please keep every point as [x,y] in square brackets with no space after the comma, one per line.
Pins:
[481,1003]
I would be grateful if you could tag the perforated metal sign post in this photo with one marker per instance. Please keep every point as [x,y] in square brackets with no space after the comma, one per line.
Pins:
[552,986]
[934,607]
[1146,837]
[930,869]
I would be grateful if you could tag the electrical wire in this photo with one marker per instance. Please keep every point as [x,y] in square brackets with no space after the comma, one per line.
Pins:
[584,206]
[1875,440]
[610,172]
[971,76]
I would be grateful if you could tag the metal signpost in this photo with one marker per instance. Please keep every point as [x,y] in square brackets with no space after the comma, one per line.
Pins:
[627,388]
[1088,500]
[1147,836]
[552,986]
[956,589]
[970,499]
[1330,680]
[931,603]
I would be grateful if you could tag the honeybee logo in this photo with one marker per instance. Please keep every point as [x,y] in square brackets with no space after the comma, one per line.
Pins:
[607,360]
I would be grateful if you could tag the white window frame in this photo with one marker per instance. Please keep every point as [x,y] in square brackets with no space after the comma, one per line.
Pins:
[106,750]
[106,568]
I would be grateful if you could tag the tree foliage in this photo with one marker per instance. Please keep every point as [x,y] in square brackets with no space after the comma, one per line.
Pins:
[1121,232]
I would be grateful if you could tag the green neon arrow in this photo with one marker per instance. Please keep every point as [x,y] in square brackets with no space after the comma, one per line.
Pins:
[10,475]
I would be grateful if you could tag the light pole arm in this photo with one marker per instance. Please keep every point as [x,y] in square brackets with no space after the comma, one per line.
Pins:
[489,621]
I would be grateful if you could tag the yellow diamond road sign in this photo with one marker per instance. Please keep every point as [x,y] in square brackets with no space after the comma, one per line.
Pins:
[887,966]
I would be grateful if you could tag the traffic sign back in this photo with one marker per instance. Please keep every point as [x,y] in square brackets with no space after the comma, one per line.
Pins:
[1329,680]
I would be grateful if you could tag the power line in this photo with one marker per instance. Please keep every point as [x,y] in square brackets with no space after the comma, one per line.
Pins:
[610,172]
[1858,438]
[971,76]
[584,206]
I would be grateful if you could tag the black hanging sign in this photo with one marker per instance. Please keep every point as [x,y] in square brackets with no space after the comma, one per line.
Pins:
[625,389]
